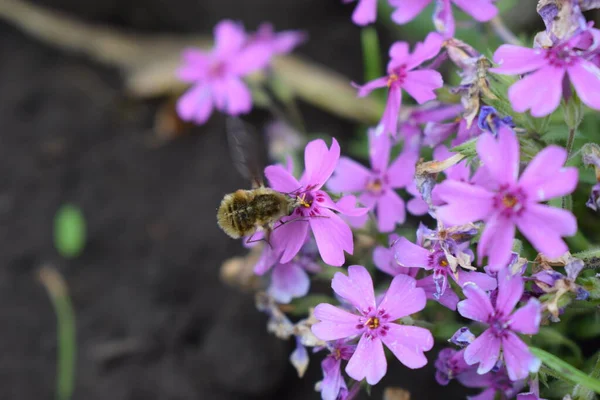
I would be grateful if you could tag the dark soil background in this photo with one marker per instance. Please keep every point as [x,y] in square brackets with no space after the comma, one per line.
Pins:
[147,282]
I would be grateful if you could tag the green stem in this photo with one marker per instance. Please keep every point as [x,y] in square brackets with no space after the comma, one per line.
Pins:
[584,393]
[570,140]
[503,32]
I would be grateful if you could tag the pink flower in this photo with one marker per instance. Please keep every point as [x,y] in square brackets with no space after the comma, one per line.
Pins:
[377,185]
[316,210]
[407,10]
[503,323]
[365,12]
[420,84]
[503,201]
[542,89]
[280,42]
[217,75]
[333,381]
[374,324]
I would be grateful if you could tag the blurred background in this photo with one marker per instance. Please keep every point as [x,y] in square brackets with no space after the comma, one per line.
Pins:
[153,320]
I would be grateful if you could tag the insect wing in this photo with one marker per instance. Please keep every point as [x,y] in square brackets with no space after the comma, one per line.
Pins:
[245,150]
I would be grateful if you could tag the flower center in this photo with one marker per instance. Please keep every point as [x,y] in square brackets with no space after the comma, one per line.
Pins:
[217,69]
[305,200]
[337,354]
[562,56]
[375,186]
[375,322]
[510,202]
[397,76]
[372,323]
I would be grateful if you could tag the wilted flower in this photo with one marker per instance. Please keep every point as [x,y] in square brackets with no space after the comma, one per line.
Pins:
[490,120]
[420,84]
[503,323]
[590,154]
[377,185]
[407,10]
[502,201]
[217,75]
[374,323]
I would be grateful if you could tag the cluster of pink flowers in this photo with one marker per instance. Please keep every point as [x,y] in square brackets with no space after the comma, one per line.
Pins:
[483,192]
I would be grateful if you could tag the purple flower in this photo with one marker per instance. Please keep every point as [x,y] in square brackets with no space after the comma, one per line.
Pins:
[503,323]
[333,381]
[374,323]
[502,201]
[449,365]
[490,120]
[420,84]
[407,10]
[542,89]
[365,12]
[281,42]
[217,75]
[316,210]
[443,266]
[377,185]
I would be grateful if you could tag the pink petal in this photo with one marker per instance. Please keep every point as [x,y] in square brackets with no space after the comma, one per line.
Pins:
[510,290]
[333,236]
[545,177]
[481,10]
[349,176]
[496,242]
[389,119]
[365,12]
[390,211]
[482,280]
[195,65]
[516,60]
[402,298]
[402,170]
[585,76]
[477,305]
[411,255]
[320,162]
[417,206]
[347,206]
[484,350]
[335,323]
[407,10]
[500,157]
[443,19]
[252,58]
[368,87]
[281,179]
[229,38]
[527,319]
[517,357]
[379,150]
[239,99]
[408,344]
[289,237]
[448,299]
[287,282]
[425,50]
[540,91]
[368,361]
[333,380]
[383,259]
[421,84]
[399,53]
[544,226]
[356,288]
[466,203]
[196,104]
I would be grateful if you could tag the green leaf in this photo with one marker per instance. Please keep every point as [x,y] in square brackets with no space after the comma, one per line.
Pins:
[69,231]
[566,371]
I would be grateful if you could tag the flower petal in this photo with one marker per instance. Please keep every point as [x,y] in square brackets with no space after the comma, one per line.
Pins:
[510,290]
[517,357]
[195,65]
[368,361]
[229,38]
[335,323]
[585,76]
[196,104]
[281,179]
[365,12]
[482,280]
[289,237]
[287,282]
[390,211]
[539,91]
[448,299]
[402,170]
[402,298]
[408,254]
[238,97]
[477,306]
[544,226]
[367,88]
[407,10]
[466,203]
[251,58]
[349,176]
[527,319]
[333,236]
[379,150]
[481,10]
[332,378]
[425,50]
[421,84]
[515,60]
[500,157]
[389,119]
[356,288]
[545,178]
[484,350]
[496,242]
[408,344]
[320,162]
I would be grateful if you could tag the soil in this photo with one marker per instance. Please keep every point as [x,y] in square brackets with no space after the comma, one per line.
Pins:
[153,319]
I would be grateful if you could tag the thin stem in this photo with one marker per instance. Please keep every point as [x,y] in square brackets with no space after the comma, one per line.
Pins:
[570,140]
[503,32]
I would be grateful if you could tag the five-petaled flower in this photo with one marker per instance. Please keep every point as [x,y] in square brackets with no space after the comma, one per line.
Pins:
[374,323]
[503,323]
[420,84]
[502,201]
